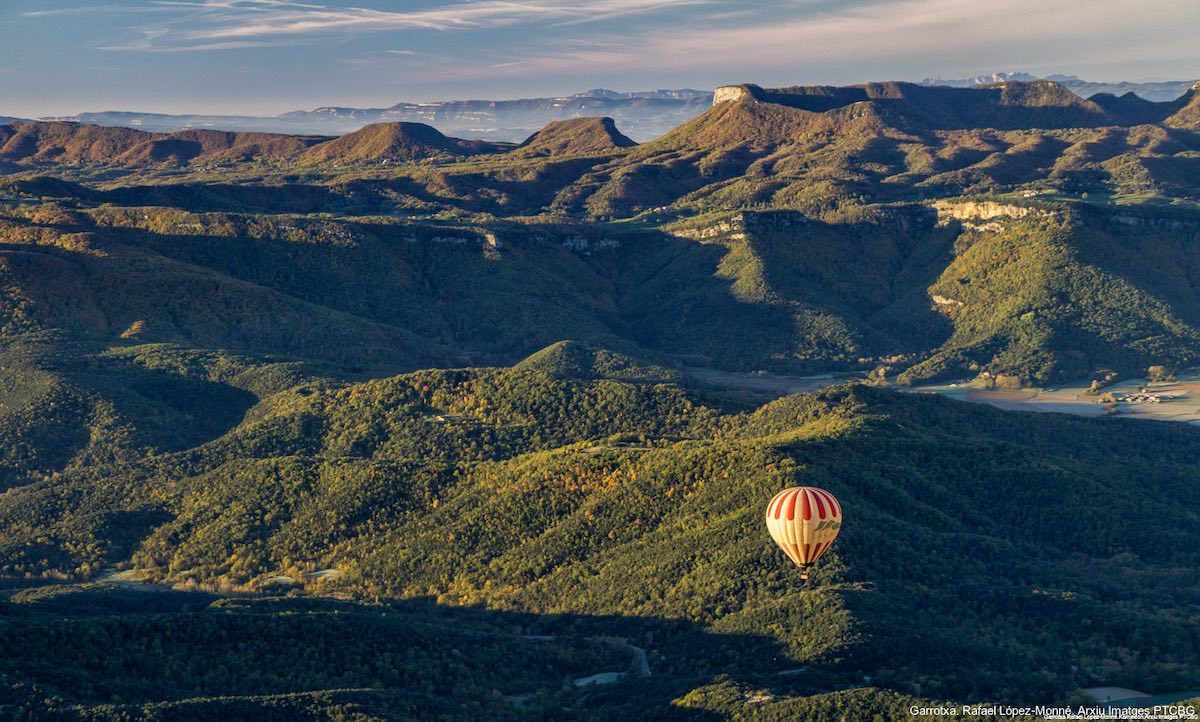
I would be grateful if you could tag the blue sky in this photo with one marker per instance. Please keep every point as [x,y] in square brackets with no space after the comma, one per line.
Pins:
[271,56]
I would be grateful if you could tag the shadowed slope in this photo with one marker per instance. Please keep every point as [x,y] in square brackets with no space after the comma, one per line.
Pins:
[1188,115]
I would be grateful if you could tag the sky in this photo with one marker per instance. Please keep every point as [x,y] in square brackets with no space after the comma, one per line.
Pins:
[60,57]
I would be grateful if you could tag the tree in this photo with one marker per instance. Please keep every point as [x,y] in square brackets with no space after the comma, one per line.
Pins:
[1159,373]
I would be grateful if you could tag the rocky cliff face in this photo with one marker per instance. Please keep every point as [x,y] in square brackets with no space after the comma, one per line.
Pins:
[729,93]
[977,210]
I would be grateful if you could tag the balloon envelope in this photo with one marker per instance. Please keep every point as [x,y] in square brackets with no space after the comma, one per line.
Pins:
[804,521]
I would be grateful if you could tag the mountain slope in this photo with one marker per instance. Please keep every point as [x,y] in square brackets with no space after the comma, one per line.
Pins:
[1188,113]
[812,147]
[122,288]
[1057,296]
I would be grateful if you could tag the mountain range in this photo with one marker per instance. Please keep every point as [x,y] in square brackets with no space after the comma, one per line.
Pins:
[642,115]
[398,425]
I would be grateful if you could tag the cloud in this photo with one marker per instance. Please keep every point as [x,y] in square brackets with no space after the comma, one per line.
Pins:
[149,43]
[150,47]
[221,24]
[723,37]
[1026,31]
[89,9]
[1016,34]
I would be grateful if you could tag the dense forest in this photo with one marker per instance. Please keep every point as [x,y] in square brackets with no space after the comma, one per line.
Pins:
[989,556]
[404,427]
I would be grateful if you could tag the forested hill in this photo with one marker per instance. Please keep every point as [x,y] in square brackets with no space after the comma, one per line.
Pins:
[599,499]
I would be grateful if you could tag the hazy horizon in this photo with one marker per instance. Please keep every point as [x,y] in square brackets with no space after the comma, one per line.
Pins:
[534,93]
[265,57]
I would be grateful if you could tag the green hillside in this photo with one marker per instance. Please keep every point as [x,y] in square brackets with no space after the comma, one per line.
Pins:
[636,506]
[960,288]
[1058,295]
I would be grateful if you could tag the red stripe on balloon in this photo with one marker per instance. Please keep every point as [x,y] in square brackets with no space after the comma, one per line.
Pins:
[795,553]
[791,509]
[833,505]
[805,508]
[820,505]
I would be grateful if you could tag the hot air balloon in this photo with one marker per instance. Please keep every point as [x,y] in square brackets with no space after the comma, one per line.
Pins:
[804,521]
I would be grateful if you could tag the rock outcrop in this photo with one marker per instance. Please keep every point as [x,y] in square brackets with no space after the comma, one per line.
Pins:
[730,93]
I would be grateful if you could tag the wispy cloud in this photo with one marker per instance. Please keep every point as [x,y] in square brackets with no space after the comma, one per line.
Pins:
[718,34]
[223,24]
[89,9]
[1026,32]
[1017,34]
[150,37]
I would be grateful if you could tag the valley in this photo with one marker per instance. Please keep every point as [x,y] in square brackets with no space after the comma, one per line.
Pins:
[1130,398]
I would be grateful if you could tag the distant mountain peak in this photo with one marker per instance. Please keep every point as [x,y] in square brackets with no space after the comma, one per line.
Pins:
[577,136]
[999,77]
[1155,91]
[598,93]
[399,141]
[660,94]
